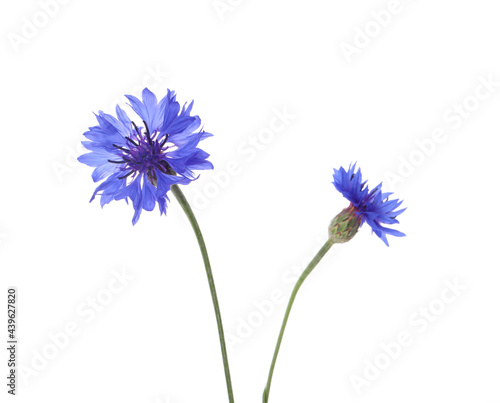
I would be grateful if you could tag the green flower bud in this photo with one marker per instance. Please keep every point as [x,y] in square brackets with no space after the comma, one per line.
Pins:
[345,225]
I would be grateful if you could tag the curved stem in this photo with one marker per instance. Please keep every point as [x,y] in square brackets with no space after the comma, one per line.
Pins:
[322,252]
[192,219]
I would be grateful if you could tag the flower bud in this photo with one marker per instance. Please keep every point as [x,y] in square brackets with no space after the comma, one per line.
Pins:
[345,225]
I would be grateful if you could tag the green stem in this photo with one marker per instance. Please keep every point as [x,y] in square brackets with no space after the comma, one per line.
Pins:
[322,252]
[192,219]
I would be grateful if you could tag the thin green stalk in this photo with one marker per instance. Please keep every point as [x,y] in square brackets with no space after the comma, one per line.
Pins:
[192,219]
[322,252]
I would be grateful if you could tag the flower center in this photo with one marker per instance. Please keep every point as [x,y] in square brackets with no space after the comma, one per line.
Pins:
[144,153]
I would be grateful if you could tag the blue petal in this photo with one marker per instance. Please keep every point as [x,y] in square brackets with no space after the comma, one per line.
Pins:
[104,171]
[123,117]
[148,110]
[138,107]
[111,183]
[171,111]
[148,195]
[94,159]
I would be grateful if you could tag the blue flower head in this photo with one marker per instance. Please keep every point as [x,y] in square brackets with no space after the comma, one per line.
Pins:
[371,207]
[140,162]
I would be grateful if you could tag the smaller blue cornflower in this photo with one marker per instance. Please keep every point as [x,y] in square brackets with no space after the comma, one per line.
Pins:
[371,207]
[140,162]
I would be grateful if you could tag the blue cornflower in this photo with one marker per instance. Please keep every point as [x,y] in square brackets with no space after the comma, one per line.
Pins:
[372,207]
[141,162]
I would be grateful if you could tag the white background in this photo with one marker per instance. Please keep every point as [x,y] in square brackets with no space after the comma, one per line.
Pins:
[265,215]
